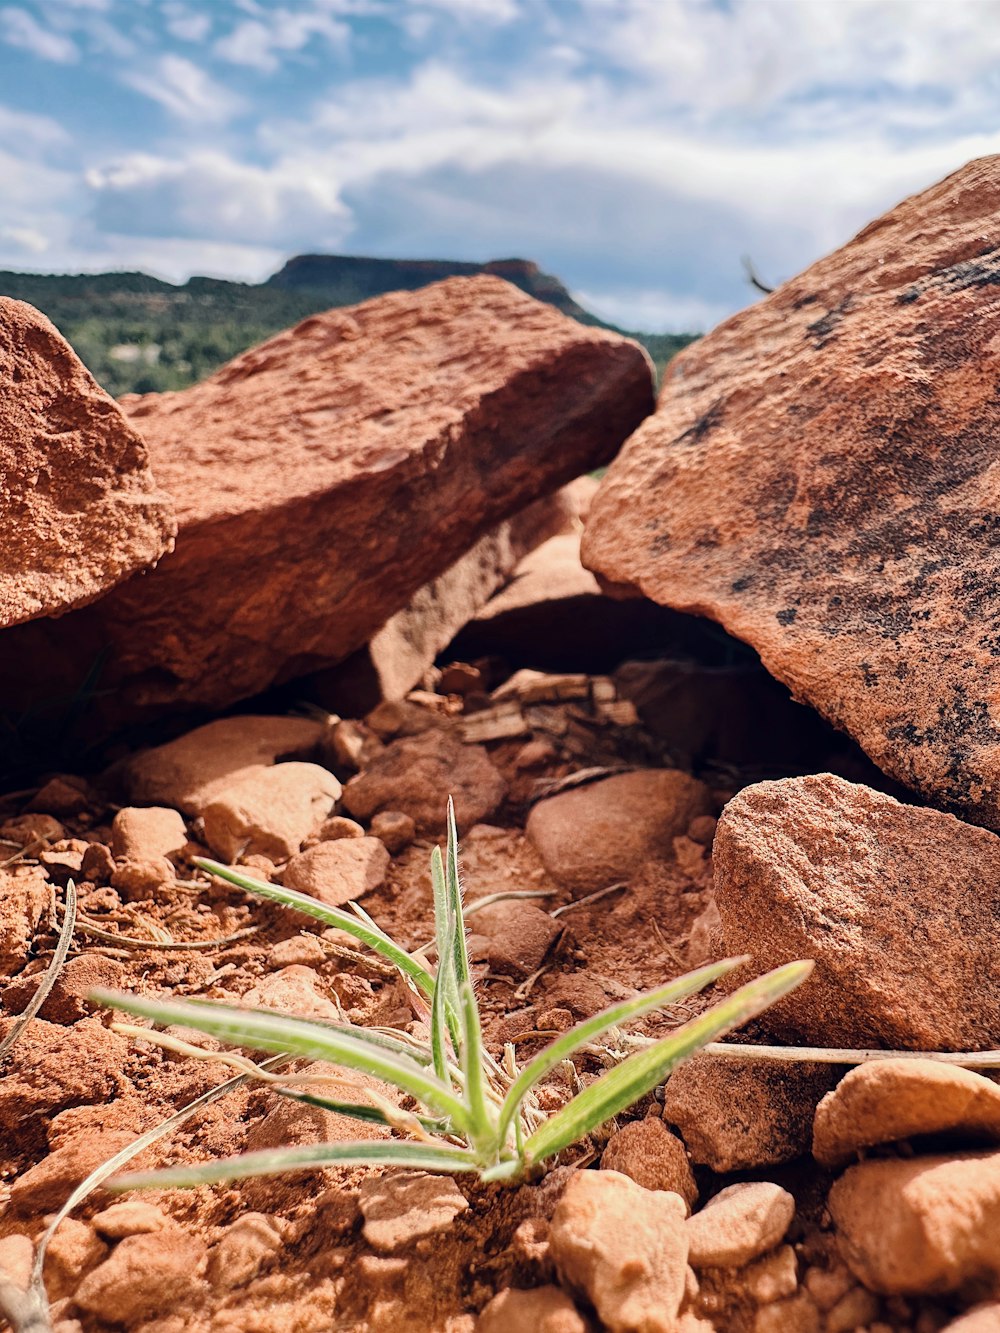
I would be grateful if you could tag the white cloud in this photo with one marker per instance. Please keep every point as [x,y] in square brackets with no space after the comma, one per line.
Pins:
[262,42]
[18,28]
[488,11]
[27,239]
[185,90]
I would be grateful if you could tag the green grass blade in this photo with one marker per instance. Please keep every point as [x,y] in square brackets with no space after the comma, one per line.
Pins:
[592,1028]
[620,1087]
[269,1031]
[356,1110]
[444,1006]
[453,881]
[483,1132]
[304,1157]
[362,929]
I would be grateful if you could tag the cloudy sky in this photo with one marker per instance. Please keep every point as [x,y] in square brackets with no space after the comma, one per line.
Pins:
[636,148]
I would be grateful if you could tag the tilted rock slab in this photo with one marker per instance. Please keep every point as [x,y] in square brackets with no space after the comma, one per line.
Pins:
[79,509]
[323,477]
[822,477]
[897,905]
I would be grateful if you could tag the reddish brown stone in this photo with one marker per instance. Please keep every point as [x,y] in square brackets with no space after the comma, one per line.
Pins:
[325,476]
[79,508]
[897,905]
[821,478]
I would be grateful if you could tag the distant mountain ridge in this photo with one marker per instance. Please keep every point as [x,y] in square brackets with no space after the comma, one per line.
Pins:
[137,333]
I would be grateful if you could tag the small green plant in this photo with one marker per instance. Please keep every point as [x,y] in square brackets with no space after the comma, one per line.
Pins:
[474,1113]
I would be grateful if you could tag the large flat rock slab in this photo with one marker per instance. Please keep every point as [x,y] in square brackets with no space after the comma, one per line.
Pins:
[822,477]
[79,509]
[325,476]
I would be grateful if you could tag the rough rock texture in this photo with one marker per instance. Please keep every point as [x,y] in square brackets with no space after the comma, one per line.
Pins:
[398,655]
[928,1225]
[269,811]
[624,1248]
[820,477]
[649,1154]
[141,833]
[889,1100]
[593,836]
[337,872]
[417,774]
[79,508]
[897,905]
[734,1115]
[401,1209]
[187,772]
[542,1310]
[292,468]
[741,1222]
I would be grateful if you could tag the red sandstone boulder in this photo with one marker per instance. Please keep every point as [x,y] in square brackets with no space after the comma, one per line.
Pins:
[897,905]
[325,476]
[79,508]
[822,477]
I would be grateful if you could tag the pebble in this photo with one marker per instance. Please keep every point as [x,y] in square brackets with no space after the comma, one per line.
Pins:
[738,1224]
[131,1217]
[146,833]
[623,1248]
[540,1310]
[519,936]
[396,829]
[270,811]
[401,1209]
[339,872]
[143,1276]
[604,832]
[46,1185]
[649,1154]
[244,1249]
[923,1225]
[887,1100]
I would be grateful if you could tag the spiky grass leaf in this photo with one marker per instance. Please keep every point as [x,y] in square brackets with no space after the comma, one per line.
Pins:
[362,928]
[622,1086]
[304,1157]
[453,880]
[484,1134]
[356,1110]
[281,1033]
[445,1004]
[592,1028]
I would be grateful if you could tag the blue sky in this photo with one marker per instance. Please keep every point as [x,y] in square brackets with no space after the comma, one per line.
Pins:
[636,148]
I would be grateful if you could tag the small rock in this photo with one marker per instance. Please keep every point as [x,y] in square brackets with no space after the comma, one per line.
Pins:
[300,951]
[74,1249]
[417,774]
[595,835]
[772,1277]
[734,1115]
[27,829]
[535,754]
[398,717]
[920,1227]
[795,1315]
[24,900]
[853,1311]
[887,1100]
[63,796]
[649,1154]
[461,678]
[131,1217]
[186,774]
[145,1275]
[270,811]
[394,828]
[46,1185]
[826,1286]
[243,1250]
[67,1001]
[519,934]
[877,893]
[540,1310]
[702,829]
[738,1224]
[401,1209]
[293,990]
[142,879]
[98,864]
[146,833]
[339,826]
[624,1248]
[353,745]
[338,872]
